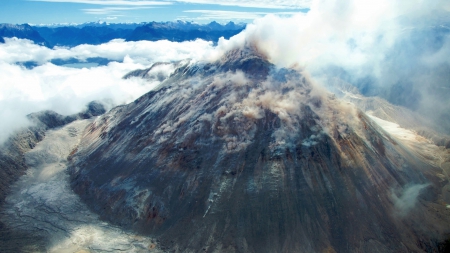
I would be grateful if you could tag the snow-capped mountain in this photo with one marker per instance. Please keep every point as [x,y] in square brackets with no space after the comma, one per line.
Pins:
[24,31]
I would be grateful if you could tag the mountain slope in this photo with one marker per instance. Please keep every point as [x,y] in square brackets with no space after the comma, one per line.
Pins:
[239,156]
[13,166]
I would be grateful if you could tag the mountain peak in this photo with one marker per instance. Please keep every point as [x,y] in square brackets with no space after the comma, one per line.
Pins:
[248,59]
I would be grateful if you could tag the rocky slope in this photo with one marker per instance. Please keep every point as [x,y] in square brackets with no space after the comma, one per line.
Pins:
[382,109]
[240,156]
[43,206]
[13,165]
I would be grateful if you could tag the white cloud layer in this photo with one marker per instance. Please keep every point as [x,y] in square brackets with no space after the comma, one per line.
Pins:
[67,90]
[266,4]
[112,10]
[109,2]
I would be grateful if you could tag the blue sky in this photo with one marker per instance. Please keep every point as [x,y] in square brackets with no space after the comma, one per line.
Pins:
[117,11]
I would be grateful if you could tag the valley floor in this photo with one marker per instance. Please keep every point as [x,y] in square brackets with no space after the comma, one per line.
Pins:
[43,214]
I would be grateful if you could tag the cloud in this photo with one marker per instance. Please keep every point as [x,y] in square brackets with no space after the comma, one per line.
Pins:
[393,49]
[67,90]
[64,90]
[119,6]
[109,2]
[145,52]
[264,4]
[351,34]
[116,7]
[112,10]
[232,15]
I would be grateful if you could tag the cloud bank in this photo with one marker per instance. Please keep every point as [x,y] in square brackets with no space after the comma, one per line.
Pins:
[143,52]
[68,90]
[109,2]
[232,15]
[266,4]
[112,10]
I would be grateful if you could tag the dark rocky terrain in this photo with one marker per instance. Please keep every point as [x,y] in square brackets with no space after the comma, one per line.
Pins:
[240,156]
[406,79]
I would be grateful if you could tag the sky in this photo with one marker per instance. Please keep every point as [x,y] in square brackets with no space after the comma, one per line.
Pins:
[136,11]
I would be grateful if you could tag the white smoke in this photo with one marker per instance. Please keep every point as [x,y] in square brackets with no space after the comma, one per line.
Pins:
[407,199]
[394,49]
[348,34]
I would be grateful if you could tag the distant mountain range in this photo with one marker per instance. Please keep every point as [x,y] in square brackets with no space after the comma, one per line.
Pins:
[98,32]
[24,31]
[182,31]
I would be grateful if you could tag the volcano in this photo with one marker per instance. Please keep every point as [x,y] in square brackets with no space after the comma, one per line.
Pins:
[238,155]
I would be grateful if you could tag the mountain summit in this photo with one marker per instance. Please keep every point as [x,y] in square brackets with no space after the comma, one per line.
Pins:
[241,156]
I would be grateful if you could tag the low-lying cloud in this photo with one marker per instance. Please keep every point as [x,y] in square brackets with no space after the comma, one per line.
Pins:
[232,15]
[110,2]
[144,52]
[68,90]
